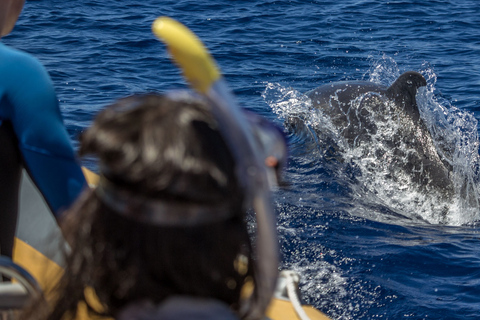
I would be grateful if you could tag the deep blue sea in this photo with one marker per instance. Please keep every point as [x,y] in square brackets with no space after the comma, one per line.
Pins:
[365,247]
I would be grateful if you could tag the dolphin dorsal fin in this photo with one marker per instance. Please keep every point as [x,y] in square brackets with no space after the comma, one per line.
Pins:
[404,90]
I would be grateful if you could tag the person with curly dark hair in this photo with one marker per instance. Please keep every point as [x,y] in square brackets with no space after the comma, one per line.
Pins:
[165,233]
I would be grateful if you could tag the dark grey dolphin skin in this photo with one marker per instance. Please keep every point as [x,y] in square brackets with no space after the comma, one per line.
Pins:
[358,108]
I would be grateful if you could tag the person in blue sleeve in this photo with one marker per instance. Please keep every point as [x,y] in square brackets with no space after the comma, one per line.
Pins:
[32,134]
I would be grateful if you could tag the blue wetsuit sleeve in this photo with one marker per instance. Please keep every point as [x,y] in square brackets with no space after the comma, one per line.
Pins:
[43,140]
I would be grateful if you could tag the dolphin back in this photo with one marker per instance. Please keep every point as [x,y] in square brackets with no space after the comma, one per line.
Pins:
[386,121]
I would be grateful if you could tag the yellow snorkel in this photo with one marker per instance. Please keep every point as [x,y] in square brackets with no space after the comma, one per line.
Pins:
[203,75]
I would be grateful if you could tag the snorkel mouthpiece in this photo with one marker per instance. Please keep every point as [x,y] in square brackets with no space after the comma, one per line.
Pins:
[202,74]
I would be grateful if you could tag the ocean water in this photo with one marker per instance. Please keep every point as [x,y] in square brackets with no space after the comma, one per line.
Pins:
[366,247]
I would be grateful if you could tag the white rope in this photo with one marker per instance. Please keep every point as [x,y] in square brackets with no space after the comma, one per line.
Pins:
[292,280]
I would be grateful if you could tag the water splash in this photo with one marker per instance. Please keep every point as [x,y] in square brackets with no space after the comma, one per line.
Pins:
[454,134]
[296,109]
[324,282]
[384,70]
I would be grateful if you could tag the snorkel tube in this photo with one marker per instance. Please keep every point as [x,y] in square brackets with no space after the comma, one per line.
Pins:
[203,75]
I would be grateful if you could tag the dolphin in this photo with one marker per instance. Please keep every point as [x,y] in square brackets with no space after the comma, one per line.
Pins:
[359,110]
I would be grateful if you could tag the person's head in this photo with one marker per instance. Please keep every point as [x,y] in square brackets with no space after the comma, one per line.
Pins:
[168,216]
[9,13]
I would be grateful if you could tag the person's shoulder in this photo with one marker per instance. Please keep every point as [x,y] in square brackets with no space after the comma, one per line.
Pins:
[17,60]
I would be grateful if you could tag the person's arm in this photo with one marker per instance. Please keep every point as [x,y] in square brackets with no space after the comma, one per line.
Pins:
[43,140]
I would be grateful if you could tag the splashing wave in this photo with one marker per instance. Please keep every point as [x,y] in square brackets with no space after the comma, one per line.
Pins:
[454,134]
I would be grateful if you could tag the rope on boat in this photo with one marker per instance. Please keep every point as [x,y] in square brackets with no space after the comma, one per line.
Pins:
[292,279]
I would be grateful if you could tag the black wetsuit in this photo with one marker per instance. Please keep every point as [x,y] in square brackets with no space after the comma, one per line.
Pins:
[10,173]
